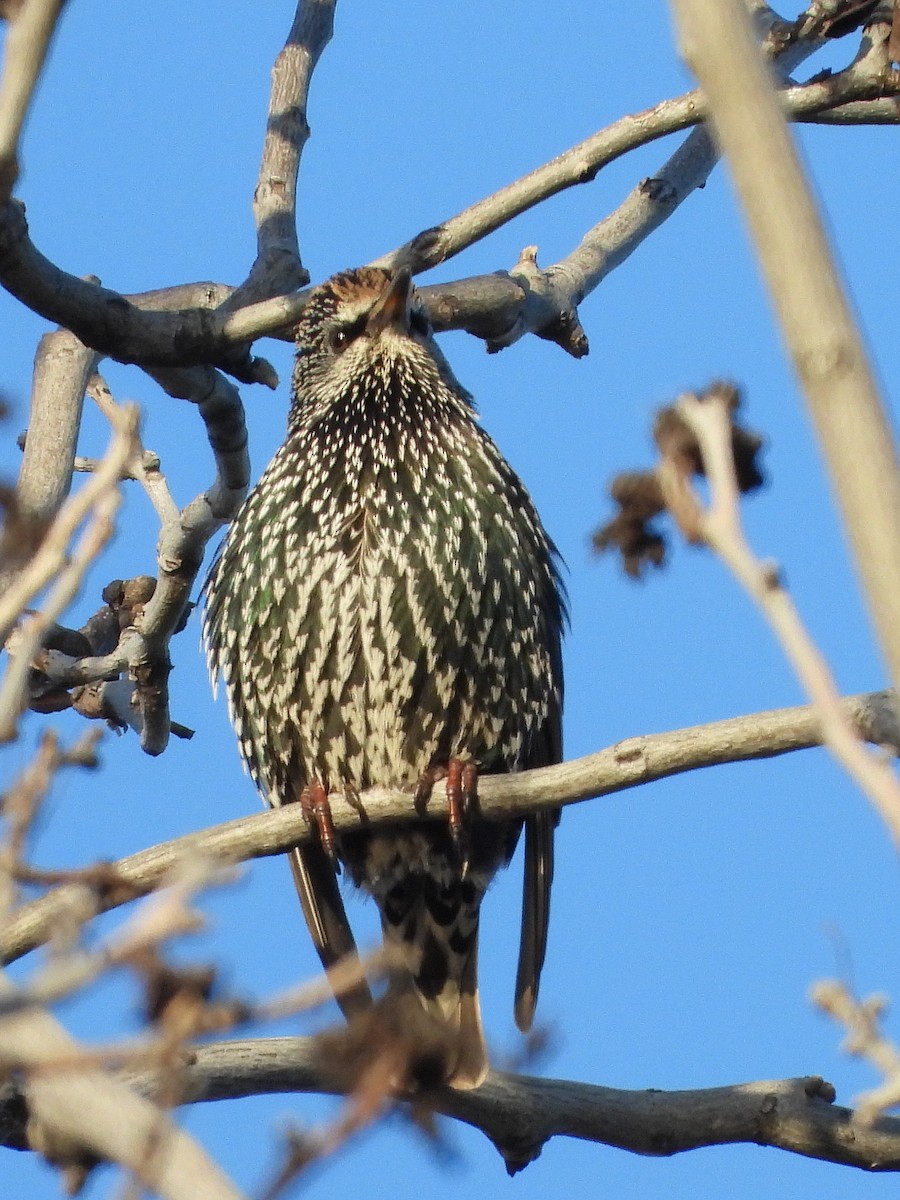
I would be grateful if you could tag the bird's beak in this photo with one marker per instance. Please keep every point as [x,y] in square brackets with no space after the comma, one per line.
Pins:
[391,309]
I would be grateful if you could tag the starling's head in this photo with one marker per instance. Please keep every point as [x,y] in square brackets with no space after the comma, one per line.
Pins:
[366,330]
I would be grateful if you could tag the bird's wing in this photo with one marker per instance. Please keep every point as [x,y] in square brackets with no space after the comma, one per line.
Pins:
[535,914]
[539,829]
[326,918]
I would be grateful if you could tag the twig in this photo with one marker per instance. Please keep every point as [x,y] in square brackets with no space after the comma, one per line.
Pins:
[164,915]
[720,527]
[349,972]
[84,464]
[145,466]
[826,348]
[865,1040]
[79,1115]
[31,26]
[627,764]
[100,499]
[370,1099]
[21,802]
[51,555]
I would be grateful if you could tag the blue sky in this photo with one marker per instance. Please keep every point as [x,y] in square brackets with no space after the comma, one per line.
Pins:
[690,917]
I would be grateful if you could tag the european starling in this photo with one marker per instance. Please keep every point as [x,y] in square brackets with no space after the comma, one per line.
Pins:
[387,609]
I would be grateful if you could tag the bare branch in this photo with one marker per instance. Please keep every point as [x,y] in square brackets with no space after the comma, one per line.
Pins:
[165,914]
[584,161]
[627,764]
[99,499]
[826,348]
[165,327]
[78,1116]
[155,610]
[278,267]
[520,1114]
[719,526]
[31,27]
[554,294]
[162,328]
[864,1038]
[183,541]
[578,165]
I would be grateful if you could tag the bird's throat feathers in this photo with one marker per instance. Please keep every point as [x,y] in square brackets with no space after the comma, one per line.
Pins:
[359,370]
[387,382]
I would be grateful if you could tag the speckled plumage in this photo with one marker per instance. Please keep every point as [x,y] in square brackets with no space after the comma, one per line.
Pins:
[387,600]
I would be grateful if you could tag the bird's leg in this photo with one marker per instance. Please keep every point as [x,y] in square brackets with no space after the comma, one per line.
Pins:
[462,796]
[455,799]
[314,802]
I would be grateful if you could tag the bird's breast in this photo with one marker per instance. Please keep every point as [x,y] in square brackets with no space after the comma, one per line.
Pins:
[392,618]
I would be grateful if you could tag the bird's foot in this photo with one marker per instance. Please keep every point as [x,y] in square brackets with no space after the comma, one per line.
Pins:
[314,802]
[462,797]
[353,798]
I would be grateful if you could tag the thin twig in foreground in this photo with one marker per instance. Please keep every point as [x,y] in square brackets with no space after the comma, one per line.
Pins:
[77,1111]
[720,527]
[27,42]
[818,323]
[98,500]
[864,1039]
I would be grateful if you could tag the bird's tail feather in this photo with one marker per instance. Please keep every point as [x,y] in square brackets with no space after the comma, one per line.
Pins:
[323,909]
[446,1022]
[429,903]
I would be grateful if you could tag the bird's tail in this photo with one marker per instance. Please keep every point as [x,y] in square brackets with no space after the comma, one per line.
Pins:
[434,988]
[429,914]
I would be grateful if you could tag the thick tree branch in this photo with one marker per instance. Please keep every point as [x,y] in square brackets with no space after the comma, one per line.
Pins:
[520,1114]
[176,326]
[627,764]
[62,367]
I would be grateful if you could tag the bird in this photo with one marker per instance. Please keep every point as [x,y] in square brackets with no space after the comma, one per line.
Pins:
[387,610]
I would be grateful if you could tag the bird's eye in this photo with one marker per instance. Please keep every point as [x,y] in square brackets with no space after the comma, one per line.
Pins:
[419,323]
[340,336]
[339,339]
